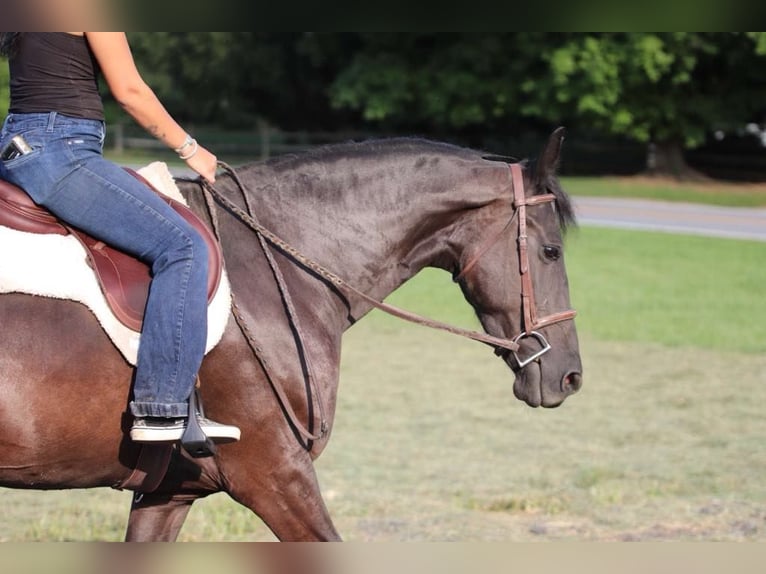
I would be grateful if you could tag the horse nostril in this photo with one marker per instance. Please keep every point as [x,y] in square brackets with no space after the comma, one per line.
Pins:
[571,382]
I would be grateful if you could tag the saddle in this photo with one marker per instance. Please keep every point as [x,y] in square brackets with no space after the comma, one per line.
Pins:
[124,280]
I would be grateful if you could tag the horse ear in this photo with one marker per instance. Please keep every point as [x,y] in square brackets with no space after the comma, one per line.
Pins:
[549,158]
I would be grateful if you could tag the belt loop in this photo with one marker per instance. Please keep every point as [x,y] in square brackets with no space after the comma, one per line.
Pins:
[51,121]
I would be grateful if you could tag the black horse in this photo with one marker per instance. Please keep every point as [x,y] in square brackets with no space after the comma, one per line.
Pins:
[375,213]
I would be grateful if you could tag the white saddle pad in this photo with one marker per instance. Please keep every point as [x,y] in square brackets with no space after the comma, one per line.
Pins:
[55,266]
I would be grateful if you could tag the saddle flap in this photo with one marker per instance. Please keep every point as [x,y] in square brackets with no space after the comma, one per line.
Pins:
[124,280]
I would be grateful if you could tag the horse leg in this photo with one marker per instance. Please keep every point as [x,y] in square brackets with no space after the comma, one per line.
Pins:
[157,517]
[287,498]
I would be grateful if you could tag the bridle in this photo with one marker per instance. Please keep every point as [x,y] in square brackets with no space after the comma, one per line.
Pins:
[268,240]
[531,322]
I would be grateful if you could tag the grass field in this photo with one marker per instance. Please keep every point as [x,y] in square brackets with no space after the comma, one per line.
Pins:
[664,442]
[712,193]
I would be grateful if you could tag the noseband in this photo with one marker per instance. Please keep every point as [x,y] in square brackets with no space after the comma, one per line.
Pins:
[531,321]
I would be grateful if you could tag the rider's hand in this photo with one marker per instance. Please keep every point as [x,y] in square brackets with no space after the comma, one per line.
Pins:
[204,163]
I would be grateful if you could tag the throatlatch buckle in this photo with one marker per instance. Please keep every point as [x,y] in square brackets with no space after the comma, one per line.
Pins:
[540,339]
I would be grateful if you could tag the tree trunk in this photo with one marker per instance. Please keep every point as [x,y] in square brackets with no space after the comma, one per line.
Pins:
[666,159]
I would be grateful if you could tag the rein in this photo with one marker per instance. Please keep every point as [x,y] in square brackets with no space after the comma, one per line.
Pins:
[248,218]
[282,245]
[268,238]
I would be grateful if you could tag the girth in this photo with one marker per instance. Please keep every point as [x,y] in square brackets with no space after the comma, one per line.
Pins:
[123,279]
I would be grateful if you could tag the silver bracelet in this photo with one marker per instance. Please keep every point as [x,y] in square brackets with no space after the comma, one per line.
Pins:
[192,152]
[187,142]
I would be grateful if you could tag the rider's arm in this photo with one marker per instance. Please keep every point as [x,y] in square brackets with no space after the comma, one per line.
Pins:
[137,98]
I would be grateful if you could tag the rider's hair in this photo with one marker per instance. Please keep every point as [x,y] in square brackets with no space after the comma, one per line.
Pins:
[8,42]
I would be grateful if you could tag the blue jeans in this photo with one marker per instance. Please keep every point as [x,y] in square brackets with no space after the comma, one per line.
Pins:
[67,174]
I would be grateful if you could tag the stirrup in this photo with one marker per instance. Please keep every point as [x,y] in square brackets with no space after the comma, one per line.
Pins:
[194,440]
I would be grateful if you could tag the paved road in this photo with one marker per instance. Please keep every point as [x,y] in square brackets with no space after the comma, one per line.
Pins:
[672,217]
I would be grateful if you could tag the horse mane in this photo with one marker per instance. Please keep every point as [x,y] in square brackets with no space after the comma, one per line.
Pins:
[370,148]
[377,148]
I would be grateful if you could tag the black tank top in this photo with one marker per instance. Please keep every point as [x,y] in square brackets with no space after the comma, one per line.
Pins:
[55,72]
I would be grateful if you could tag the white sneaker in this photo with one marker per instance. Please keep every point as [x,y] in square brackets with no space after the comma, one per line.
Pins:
[158,429]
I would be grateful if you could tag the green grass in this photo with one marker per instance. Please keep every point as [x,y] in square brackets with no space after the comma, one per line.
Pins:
[664,442]
[712,193]
[676,290]
[658,288]
[660,444]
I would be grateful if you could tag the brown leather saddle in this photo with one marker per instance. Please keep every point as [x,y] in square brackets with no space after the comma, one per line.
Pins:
[124,280]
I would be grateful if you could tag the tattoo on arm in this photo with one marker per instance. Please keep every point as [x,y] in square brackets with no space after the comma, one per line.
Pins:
[155,131]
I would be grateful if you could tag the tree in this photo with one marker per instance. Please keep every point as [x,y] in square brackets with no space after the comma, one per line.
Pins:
[192,73]
[5,88]
[668,90]
[436,81]
[239,79]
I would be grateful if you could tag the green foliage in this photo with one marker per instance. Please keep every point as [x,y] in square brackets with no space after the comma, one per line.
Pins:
[443,81]
[760,42]
[240,79]
[191,72]
[661,87]
[647,86]
[673,86]
[5,88]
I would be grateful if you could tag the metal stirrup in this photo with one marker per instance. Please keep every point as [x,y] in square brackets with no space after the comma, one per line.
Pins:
[194,439]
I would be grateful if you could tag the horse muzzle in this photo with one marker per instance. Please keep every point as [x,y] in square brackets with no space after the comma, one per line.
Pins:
[546,378]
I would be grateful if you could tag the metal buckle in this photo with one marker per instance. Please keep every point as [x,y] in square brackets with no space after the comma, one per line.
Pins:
[540,339]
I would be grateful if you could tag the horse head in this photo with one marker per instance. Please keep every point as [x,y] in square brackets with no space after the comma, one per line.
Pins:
[512,271]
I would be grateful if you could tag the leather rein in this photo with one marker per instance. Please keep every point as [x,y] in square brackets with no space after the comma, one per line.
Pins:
[268,239]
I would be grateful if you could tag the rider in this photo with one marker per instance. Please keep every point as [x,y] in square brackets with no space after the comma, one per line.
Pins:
[56,108]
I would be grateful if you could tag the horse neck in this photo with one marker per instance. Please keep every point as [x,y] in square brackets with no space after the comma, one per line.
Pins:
[379,223]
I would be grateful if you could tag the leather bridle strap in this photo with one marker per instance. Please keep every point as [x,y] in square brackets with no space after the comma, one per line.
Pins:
[519,203]
[531,322]
[527,292]
[529,310]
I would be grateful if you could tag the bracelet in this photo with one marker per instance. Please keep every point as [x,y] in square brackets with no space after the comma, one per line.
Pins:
[187,142]
[192,152]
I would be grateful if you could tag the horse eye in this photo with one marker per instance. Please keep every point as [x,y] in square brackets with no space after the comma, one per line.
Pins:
[551,252]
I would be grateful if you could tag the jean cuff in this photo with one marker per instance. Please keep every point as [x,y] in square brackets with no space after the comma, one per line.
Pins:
[168,410]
